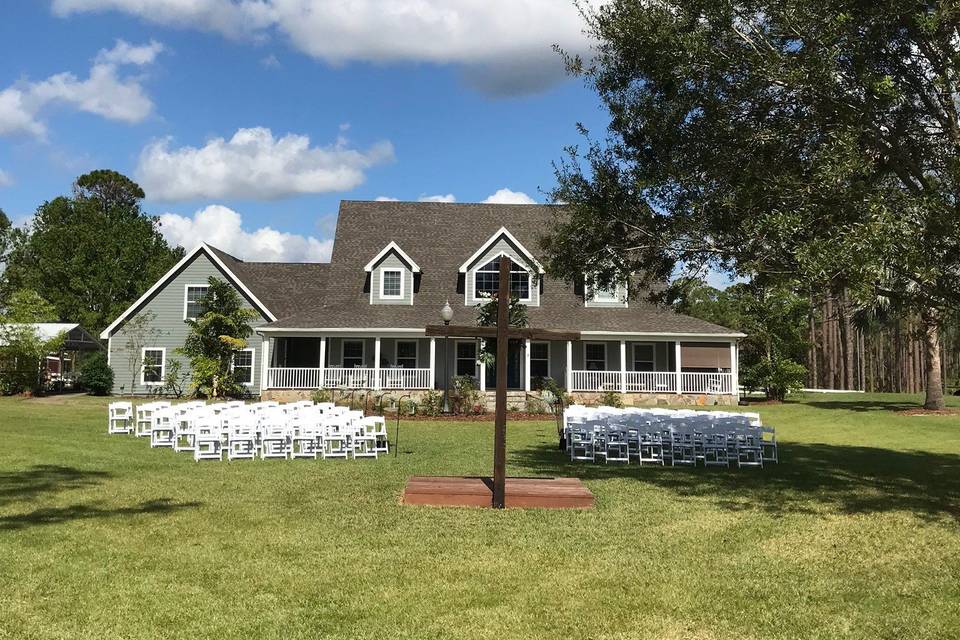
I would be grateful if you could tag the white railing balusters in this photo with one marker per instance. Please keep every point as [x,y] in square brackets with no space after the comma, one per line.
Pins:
[354,378]
[652,382]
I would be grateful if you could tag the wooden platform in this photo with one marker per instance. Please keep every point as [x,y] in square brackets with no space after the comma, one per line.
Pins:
[521,493]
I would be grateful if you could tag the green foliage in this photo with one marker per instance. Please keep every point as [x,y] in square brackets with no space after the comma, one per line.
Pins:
[800,140]
[214,337]
[407,407]
[465,395]
[777,377]
[175,380]
[22,348]
[517,316]
[611,399]
[140,331]
[321,396]
[90,254]
[431,403]
[96,376]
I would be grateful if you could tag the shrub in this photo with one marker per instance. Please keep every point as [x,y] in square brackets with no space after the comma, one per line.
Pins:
[465,394]
[611,399]
[321,395]
[776,377]
[407,407]
[431,403]
[175,380]
[536,405]
[96,376]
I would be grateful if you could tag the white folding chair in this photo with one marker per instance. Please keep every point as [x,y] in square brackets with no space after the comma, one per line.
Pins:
[163,431]
[207,444]
[364,440]
[120,418]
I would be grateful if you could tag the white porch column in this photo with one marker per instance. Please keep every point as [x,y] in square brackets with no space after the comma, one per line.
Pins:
[734,368]
[623,366]
[376,362]
[265,363]
[569,364]
[483,374]
[433,363]
[676,348]
[526,365]
[323,362]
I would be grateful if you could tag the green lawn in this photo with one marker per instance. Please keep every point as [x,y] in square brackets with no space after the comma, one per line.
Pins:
[854,535]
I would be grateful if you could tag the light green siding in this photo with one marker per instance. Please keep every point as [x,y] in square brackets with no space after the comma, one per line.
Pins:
[391,261]
[170,330]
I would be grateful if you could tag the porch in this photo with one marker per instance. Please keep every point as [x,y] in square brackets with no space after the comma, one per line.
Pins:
[412,362]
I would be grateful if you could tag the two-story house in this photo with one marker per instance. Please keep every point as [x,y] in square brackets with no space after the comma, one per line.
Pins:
[359,321]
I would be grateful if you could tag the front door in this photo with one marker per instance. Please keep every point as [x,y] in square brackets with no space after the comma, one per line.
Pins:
[514,357]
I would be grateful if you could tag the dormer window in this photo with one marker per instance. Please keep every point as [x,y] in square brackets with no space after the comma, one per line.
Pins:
[487,279]
[596,295]
[391,284]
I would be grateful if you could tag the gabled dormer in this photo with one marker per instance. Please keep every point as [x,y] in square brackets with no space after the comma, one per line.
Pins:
[392,276]
[594,295]
[481,270]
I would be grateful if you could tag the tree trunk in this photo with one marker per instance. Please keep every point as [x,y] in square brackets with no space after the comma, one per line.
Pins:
[931,344]
[846,340]
[812,351]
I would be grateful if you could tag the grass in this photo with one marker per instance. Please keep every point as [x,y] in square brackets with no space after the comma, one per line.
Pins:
[854,535]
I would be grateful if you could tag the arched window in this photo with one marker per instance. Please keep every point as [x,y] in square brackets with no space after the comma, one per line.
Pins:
[487,280]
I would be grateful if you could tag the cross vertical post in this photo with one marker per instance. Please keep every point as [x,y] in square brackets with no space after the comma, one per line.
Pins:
[500,421]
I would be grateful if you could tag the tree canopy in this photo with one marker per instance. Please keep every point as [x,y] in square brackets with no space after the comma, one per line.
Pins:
[93,253]
[812,141]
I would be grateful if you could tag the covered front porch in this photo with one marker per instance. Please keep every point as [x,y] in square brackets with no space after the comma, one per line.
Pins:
[409,361]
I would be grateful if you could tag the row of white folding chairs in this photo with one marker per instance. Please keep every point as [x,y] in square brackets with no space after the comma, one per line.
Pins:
[301,429]
[640,414]
[717,444]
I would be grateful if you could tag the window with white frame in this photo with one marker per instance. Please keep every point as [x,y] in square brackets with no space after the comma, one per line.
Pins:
[243,366]
[391,283]
[595,356]
[643,357]
[352,354]
[613,293]
[466,364]
[487,280]
[539,359]
[151,371]
[407,354]
[193,306]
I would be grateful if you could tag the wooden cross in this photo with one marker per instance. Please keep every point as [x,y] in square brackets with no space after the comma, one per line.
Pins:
[502,332]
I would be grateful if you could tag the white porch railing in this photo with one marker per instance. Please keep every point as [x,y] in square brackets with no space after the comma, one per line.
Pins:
[711,383]
[293,378]
[652,382]
[354,378]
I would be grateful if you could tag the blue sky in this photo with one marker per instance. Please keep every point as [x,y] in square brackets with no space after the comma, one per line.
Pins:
[247,122]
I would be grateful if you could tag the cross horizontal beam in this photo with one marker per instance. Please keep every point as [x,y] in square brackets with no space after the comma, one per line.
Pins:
[467,331]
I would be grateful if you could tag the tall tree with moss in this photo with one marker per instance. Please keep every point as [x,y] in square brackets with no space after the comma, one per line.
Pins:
[814,141]
[92,253]
[215,336]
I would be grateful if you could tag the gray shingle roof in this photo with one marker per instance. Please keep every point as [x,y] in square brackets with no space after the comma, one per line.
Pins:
[286,288]
[439,237]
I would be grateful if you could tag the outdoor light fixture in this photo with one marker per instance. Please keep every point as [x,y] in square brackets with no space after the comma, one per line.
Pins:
[446,314]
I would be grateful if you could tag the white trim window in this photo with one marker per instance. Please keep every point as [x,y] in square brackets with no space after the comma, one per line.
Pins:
[153,364]
[486,280]
[539,360]
[595,356]
[353,354]
[242,366]
[391,283]
[615,295]
[193,295]
[406,354]
[644,357]
[466,358]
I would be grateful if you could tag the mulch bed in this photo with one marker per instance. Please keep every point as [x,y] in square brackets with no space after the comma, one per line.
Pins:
[929,412]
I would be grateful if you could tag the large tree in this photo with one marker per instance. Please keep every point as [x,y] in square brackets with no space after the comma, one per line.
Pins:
[815,141]
[93,253]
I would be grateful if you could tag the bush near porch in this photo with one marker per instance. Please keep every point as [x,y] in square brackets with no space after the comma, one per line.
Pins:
[854,535]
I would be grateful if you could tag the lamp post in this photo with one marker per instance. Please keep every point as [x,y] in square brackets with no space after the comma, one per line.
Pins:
[446,314]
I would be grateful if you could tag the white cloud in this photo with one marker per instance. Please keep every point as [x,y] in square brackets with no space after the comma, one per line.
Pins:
[102,93]
[254,164]
[125,53]
[6,179]
[270,62]
[222,227]
[449,197]
[506,196]
[386,199]
[505,46]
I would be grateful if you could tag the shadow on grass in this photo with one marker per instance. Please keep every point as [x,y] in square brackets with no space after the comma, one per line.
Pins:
[864,405]
[59,515]
[45,479]
[811,478]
